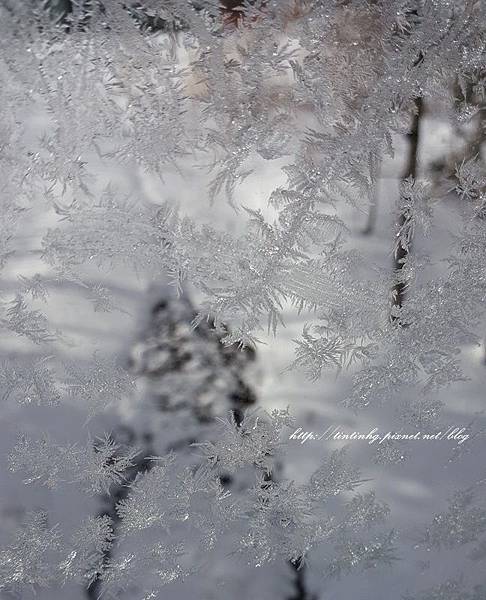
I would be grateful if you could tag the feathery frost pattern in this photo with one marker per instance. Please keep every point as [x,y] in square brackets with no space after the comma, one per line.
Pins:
[321,90]
[275,519]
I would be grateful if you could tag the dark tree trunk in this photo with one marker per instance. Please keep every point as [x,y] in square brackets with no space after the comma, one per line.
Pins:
[300,588]
[410,170]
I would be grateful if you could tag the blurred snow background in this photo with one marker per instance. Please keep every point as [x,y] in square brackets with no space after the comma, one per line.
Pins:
[415,489]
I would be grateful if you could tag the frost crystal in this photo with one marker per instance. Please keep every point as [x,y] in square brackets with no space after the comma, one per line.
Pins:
[95,386]
[145,93]
[95,467]
[30,383]
[87,549]
[461,524]
[29,560]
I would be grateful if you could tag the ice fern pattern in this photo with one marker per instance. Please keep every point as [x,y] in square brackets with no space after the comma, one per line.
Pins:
[274,519]
[320,91]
